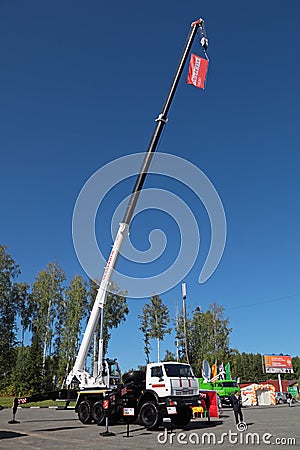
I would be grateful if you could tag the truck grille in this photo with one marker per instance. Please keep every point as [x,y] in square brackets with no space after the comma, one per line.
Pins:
[184,392]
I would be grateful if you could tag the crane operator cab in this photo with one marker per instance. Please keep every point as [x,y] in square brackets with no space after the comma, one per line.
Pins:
[111,373]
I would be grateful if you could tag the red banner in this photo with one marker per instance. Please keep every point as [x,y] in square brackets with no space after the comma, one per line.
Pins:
[197,71]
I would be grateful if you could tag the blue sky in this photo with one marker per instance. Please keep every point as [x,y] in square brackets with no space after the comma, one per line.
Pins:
[81,85]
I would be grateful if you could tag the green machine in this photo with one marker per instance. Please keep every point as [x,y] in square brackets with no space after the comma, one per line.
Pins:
[225,388]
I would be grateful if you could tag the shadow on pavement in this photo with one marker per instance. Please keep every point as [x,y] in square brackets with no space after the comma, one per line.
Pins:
[200,425]
[58,429]
[10,434]
[49,420]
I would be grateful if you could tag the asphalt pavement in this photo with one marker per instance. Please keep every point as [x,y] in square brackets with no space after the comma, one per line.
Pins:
[47,428]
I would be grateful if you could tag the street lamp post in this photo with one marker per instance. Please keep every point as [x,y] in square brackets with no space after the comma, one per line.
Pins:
[183,287]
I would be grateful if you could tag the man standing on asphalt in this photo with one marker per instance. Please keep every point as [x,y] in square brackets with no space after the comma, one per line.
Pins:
[236,402]
[289,398]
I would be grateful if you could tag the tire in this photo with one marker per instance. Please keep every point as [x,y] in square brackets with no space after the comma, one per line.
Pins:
[98,415]
[134,375]
[183,416]
[150,416]
[85,412]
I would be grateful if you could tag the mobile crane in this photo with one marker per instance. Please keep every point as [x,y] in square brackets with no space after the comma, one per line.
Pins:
[166,388]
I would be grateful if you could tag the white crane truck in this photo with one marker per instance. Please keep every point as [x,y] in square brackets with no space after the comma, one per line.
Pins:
[166,388]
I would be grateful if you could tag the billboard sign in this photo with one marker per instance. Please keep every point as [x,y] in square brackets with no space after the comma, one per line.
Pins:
[278,364]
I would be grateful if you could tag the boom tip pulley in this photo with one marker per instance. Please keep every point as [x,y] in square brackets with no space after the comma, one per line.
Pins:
[203,41]
[199,22]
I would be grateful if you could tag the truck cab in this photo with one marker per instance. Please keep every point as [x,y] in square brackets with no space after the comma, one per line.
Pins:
[171,379]
[171,391]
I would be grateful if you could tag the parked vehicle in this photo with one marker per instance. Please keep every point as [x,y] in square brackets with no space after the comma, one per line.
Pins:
[165,389]
[281,397]
[225,389]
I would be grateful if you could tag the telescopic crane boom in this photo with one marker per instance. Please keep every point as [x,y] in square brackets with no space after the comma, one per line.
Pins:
[78,371]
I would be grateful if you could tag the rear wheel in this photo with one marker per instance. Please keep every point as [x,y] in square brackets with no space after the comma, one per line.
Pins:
[183,416]
[150,416]
[85,412]
[98,413]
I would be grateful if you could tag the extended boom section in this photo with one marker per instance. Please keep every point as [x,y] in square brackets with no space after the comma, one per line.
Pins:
[78,372]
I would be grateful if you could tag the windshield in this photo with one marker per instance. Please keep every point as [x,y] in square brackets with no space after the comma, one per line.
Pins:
[178,370]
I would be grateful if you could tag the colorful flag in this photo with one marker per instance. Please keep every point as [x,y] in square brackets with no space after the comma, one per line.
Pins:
[214,370]
[222,372]
[227,370]
[197,71]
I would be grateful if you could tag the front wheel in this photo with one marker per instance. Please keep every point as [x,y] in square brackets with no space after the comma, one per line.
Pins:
[150,416]
[85,412]
[183,416]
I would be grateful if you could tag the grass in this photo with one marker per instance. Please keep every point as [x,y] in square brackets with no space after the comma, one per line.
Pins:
[6,402]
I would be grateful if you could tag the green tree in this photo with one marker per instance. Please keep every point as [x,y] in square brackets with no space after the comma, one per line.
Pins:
[296,367]
[207,335]
[22,300]
[47,294]
[169,356]
[34,365]
[20,381]
[73,310]
[158,318]
[9,270]
[220,332]
[247,367]
[145,329]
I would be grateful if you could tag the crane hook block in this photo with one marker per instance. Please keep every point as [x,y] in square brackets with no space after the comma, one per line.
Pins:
[204,43]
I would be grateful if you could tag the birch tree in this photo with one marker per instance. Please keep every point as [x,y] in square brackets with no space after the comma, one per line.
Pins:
[157,316]
[47,293]
[145,329]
